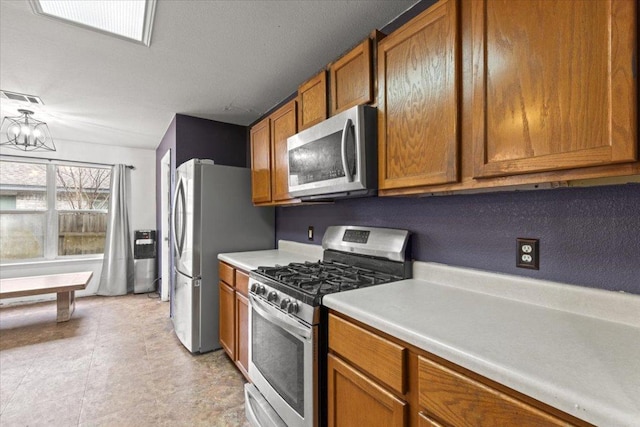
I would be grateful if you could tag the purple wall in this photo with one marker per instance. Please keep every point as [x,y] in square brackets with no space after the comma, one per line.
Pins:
[224,143]
[588,236]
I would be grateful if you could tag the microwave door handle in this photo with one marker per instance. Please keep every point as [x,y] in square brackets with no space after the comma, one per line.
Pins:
[345,165]
[282,321]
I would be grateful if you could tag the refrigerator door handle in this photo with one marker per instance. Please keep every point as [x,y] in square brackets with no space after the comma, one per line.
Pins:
[178,197]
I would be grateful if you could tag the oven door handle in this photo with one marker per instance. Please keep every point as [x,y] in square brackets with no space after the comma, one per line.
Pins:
[280,319]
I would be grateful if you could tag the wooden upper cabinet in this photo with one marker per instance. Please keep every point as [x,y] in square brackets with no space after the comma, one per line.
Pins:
[351,79]
[269,161]
[261,162]
[418,95]
[312,101]
[554,85]
[283,125]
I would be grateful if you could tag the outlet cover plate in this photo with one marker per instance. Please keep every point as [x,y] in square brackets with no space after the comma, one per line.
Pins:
[528,253]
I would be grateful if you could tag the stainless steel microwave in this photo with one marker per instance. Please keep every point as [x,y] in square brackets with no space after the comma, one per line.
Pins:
[335,158]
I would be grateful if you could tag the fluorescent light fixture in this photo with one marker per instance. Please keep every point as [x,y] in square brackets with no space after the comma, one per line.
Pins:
[128,19]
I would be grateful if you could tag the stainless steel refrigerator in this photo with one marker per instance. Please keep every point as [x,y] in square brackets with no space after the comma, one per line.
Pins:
[212,214]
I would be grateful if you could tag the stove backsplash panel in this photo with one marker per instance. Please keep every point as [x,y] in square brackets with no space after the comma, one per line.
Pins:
[588,236]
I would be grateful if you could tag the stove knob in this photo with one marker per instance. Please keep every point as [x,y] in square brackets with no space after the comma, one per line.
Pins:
[292,308]
[254,287]
[273,296]
[285,303]
[260,290]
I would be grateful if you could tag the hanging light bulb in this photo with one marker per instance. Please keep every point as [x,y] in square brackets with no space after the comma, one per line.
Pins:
[26,133]
[13,131]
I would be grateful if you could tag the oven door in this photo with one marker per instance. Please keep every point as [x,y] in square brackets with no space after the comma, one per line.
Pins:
[283,353]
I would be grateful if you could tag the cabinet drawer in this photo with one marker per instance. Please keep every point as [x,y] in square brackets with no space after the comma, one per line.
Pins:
[425,421]
[356,400]
[225,271]
[242,282]
[462,401]
[378,356]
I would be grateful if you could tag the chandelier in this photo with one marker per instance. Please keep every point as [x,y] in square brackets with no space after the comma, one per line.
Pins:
[25,133]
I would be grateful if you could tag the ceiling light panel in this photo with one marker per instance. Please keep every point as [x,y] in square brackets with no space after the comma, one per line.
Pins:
[130,19]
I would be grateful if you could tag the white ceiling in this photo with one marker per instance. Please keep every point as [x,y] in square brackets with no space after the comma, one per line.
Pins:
[223,60]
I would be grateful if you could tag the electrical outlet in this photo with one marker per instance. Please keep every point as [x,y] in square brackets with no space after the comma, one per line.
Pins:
[310,232]
[528,253]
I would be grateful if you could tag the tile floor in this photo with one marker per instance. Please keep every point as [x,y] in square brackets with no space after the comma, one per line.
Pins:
[117,362]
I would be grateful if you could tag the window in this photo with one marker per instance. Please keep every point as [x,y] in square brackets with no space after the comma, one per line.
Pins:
[52,210]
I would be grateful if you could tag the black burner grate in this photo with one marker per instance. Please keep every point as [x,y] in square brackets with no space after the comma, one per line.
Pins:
[324,277]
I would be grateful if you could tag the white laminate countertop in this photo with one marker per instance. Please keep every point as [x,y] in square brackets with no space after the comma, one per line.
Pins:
[286,253]
[584,365]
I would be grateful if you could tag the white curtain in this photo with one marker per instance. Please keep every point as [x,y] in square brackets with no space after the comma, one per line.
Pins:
[117,268]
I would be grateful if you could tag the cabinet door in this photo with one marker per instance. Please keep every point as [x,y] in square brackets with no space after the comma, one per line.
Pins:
[242,334]
[227,319]
[351,79]
[355,400]
[261,162]
[418,86]
[554,85]
[312,99]
[283,125]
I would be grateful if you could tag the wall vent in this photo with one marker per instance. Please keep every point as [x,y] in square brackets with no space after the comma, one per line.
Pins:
[21,97]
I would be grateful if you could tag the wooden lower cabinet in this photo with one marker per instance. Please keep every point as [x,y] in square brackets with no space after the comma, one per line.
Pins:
[242,333]
[356,400]
[234,315]
[437,394]
[227,319]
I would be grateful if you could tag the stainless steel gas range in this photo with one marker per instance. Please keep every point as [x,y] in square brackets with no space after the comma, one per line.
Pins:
[287,326]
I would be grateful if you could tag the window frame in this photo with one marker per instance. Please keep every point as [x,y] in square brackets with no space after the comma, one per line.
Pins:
[51,212]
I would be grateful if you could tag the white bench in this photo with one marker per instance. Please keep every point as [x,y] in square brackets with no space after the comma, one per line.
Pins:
[64,285]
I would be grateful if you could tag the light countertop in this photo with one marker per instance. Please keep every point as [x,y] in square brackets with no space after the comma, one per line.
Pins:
[286,253]
[579,363]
